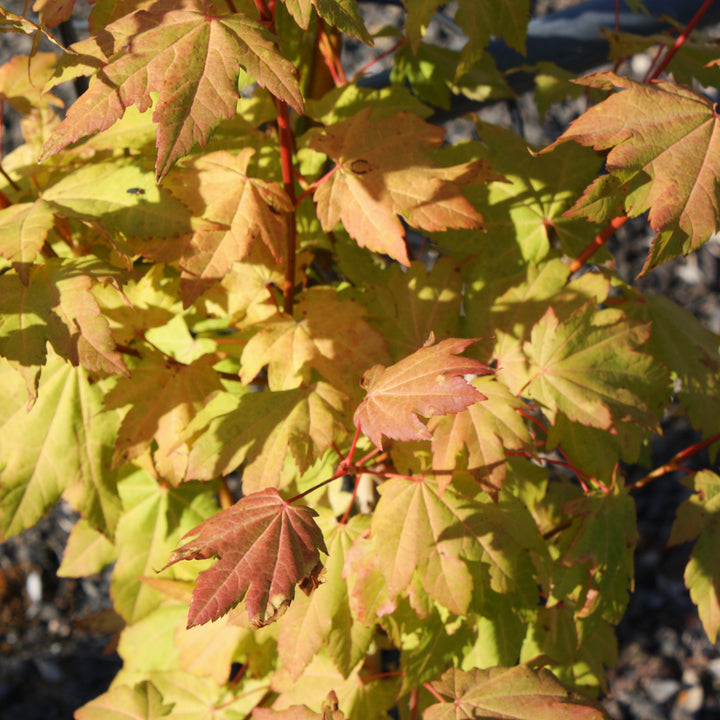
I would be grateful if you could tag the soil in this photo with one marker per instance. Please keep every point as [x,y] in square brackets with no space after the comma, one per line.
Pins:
[52,660]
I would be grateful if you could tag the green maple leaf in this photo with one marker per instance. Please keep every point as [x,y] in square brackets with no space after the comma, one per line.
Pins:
[529,207]
[417,530]
[143,700]
[663,157]
[486,429]
[342,14]
[327,333]
[360,697]
[604,539]
[588,367]
[192,58]
[202,697]
[697,367]
[324,619]
[22,80]
[259,429]
[409,305]
[383,169]
[24,227]
[517,693]
[697,517]
[480,19]
[122,197]
[154,518]
[59,446]
[57,306]
[87,552]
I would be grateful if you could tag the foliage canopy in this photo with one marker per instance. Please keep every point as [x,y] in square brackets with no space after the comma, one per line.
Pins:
[209,270]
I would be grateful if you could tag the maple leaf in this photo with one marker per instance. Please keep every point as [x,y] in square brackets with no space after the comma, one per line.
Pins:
[53,12]
[529,207]
[240,210]
[588,368]
[342,14]
[417,533]
[22,80]
[57,305]
[480,19]
[383,170]
[163,396]
[59,446]
[155,517]
[428,382]
[324,619]
[486,429]
[329,335]
[24,227]
[517,693]
[697,519]
[260,429]
[143,700]
[244,537]
[409,304]
[663,156]
[604,539]
[192,59]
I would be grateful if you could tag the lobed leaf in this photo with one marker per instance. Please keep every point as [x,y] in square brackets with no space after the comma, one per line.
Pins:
[258,527]
[697,519]
[383,170]
[192,59]
[664,156]
[518,693]
[590,369]
[428,382]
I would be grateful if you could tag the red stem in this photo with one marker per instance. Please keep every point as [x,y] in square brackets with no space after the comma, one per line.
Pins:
[413,704]
[287,143]
[675,463]
[367,66]
[597,242]
[681,38]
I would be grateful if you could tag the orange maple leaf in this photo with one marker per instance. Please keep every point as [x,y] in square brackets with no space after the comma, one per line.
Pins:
[664,156]
[383,170]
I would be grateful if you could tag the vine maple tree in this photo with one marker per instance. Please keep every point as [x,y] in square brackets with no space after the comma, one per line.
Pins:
[209,273]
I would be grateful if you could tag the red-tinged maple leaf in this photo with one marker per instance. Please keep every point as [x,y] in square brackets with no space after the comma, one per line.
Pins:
[383,170]
[239,209]
[192,59]
[664,156]
[517,693]
[265,548]
[428,382]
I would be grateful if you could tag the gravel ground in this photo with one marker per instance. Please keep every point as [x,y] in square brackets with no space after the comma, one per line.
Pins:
[52,660]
